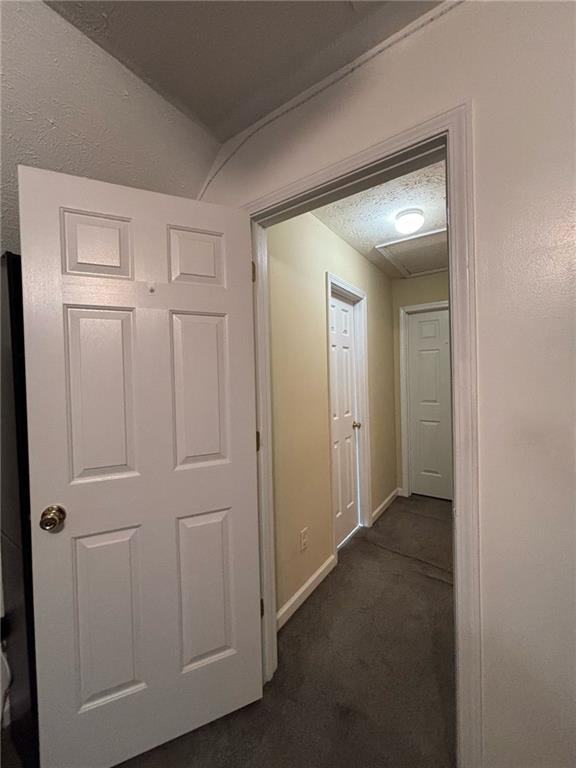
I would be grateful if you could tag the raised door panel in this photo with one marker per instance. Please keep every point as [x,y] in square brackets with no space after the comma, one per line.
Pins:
[200,388]
[107,615]
[99,372]
[345,321]
[195,256]
[349,470]
[332,313]
[429,448]
[96,245]
[334,383]
[427,383]
[205,589]
[429,329]
[346,376]
[336,479]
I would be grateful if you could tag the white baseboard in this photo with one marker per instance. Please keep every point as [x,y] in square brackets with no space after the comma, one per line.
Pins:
[402,492]
[291,606]
[385,504]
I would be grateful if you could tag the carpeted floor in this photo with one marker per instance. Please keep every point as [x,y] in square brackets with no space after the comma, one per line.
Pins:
[366,672]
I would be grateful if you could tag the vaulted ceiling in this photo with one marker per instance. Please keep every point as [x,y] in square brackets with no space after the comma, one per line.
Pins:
[227,64]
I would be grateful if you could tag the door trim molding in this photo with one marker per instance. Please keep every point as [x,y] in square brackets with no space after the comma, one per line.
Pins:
[455,126]
[405,312]
[265,456]
[335,286]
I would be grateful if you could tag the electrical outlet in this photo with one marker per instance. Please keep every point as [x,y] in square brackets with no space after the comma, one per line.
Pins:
[304,539]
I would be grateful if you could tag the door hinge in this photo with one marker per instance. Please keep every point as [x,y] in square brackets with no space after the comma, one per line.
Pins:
[261,607]
[257,441]
[253,271]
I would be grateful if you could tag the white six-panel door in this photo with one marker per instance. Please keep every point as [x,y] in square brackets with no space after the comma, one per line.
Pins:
[430,403]
[342,360]
[140,384]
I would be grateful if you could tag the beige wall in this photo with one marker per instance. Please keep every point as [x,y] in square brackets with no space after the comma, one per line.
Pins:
[415,290]
[513,62]
[301,251]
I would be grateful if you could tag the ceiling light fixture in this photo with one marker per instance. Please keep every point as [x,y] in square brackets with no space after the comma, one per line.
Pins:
[409,221]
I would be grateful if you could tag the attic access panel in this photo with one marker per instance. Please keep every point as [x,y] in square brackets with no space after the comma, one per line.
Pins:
[418,255]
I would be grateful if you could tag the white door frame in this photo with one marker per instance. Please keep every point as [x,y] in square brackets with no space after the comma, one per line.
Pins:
[455,126]
[405,312]
[335,286]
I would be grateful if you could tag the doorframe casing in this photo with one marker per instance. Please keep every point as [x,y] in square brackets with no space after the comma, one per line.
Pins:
[336,286]
[455,125]
[405,312]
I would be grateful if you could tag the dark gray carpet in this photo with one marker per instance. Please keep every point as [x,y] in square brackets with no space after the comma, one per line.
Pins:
[366,673]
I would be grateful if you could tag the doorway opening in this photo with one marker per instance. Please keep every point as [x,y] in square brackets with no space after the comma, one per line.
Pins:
[422,148]
[336,454]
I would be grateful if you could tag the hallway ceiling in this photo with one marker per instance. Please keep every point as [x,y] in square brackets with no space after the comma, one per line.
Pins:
[227,64]
[366,220]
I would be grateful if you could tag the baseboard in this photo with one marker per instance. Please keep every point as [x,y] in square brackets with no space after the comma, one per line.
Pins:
[404,493]
[385,504]
[291,606]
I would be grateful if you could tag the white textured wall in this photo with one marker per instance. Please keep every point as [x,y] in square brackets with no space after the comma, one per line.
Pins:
[515,62]
[69,106]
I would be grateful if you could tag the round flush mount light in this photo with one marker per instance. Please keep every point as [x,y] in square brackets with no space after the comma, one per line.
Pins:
[409,221]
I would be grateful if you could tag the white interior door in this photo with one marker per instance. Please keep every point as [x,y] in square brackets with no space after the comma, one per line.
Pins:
[430,403]
[140,381]
[343,407]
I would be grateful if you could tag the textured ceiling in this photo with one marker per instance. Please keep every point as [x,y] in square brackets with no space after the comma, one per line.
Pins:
[228,64]
[366,219]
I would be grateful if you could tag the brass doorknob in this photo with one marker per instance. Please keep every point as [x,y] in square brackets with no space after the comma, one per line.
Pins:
[356,425]
[52,519]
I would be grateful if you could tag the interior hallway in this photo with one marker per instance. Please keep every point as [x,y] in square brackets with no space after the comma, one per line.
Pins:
[366,673]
